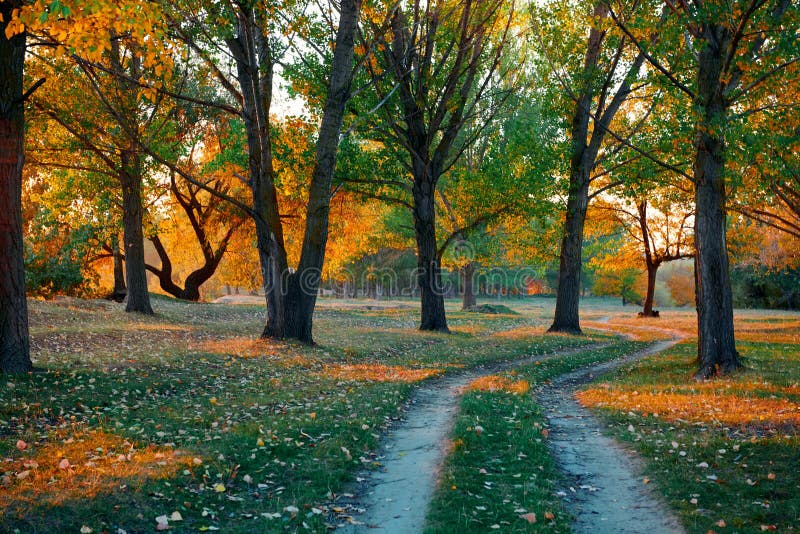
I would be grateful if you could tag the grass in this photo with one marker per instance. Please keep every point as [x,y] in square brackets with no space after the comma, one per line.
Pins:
[723,452]
[184,420]
[499,474]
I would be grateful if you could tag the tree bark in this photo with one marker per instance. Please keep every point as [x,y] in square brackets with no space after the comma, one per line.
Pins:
[14,340]
[138,299]
[651,263]
[304,283]
[716,347]
[120,289]
[428,267]
[647,308]
[568,294]
[468,299]
[582,160]
[252,53]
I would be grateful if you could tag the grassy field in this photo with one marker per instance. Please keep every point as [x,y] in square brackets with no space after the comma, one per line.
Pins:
[183,420]
[725,452]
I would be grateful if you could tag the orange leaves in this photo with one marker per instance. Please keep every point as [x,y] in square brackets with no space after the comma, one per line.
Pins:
[494,383]
[379,373]
[710,403]
[80,467]
[87,27]
[255,348]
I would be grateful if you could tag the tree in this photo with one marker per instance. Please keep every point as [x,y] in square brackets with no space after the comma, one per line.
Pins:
[248,36]
[19,19]
[432,77]
[739,53]
[658,227]
[212,227]
[602,84]
[14,344]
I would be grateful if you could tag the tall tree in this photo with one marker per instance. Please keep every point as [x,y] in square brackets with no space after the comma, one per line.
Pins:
[14,344]
[251,37]
[738,54]
[606,79]
[433,76]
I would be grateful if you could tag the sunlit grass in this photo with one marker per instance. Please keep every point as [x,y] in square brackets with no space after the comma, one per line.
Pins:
[379,373]
[496,383]
[81,466]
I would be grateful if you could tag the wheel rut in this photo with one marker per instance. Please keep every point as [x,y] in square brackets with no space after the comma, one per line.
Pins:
[395,498]
[605,491]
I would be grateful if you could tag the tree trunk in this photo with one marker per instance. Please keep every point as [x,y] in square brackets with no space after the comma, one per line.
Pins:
[468,299]
[647,309]
[14,341]
[582,162]
[304,284]
[251,51]
[120,289]
[191,286]
[135,268]
[569,272]
[428,268]
[716,347]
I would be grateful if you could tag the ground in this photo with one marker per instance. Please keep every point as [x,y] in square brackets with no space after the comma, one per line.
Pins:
[185,422]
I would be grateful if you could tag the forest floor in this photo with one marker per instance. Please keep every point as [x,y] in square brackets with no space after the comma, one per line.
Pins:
[185,422]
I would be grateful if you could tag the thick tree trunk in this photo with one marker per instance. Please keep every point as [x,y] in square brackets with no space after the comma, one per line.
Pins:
[120,289]
[468,299]
[569,271]
[647,308]
[428,267]
[304,284]
[138,299]
[14,341]
[716,347]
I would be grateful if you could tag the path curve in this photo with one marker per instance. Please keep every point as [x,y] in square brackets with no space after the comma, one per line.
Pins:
[395,499]
[606,491]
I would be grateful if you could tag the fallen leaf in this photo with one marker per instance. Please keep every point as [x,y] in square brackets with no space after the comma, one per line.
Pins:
[529,517]
[21,445]
[219,488]
[63,464]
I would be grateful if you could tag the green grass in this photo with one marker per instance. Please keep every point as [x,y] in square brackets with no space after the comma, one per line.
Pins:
[496,478]
[175,413]
[730,471]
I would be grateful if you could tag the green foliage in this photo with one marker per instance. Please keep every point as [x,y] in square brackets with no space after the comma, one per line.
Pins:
[759,287]
[56,258]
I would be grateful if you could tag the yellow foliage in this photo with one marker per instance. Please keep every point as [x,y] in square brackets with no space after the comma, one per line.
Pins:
[714,403]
